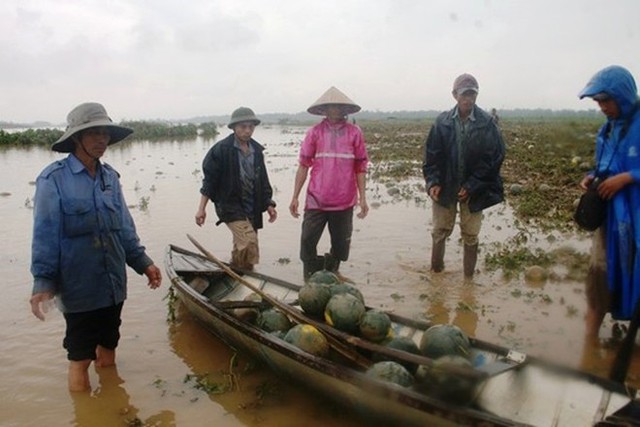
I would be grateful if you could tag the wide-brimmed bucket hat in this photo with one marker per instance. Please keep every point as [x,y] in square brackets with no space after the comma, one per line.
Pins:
[85,116]
[243,114]
[333,97]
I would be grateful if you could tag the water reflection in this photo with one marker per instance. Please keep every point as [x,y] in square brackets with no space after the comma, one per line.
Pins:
[258,396]
[109,405]
[466,316]
[449,297]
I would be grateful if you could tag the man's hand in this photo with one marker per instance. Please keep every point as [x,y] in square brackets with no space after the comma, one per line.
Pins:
[201,216]
[610,186]
[39,303]
[364,209]
[463,194]
[273,214]
[293,208]
[434,192]
[154,275]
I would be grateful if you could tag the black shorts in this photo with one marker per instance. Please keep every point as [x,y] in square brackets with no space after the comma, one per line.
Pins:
[89,329]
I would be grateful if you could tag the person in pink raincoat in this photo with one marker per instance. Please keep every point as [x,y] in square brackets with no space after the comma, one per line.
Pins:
[335,153]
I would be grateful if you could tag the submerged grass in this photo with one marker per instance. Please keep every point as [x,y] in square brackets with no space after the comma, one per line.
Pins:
[545,160]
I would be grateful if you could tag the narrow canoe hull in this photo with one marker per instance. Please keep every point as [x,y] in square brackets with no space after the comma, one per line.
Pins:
[532,394]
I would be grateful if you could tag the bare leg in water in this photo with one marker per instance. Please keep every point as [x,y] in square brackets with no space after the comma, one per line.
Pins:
[78,376]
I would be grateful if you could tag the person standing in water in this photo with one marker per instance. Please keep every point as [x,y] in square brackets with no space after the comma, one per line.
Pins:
[334,152]
[462,159]
[83,239]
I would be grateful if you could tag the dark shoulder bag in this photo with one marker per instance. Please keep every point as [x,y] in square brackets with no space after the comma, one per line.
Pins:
[592,209]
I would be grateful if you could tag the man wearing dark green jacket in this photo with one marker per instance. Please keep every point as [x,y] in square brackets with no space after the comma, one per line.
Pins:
[462,159]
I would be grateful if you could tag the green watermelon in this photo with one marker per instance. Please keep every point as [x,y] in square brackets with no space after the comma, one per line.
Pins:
[345,288]
[324,276]
[309,339]
[445,340]
[446,385]
[375,325]
[392,372]
[403,344]
[343,312]
[273,320]
[313,298]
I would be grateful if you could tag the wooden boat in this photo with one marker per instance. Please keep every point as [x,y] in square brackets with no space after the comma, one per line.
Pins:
[512,389]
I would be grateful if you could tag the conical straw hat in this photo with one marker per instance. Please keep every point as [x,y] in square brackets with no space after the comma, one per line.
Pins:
[333,97]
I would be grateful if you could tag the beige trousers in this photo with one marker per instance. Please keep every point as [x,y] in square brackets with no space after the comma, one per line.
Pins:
[444,220]
[245,253]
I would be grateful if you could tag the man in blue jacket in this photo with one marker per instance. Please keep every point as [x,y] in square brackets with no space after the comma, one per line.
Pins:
[462,160]
[613,282]
[236,181]
[83,240]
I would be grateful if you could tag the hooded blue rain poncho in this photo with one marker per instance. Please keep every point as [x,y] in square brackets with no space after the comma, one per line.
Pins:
[618,151]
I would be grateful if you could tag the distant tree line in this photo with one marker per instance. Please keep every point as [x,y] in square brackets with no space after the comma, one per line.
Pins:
[30,137]
[146,130]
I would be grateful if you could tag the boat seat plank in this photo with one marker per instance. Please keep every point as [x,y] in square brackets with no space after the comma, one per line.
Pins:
[190,264]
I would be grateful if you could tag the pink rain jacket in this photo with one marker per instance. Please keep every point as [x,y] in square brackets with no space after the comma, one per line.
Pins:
[335,154]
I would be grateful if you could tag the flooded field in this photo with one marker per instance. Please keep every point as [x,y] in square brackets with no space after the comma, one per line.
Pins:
[161,364]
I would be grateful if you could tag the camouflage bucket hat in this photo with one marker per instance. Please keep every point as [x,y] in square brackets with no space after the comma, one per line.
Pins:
[243,114]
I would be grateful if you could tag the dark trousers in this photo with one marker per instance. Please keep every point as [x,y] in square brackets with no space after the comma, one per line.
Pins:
[340,230]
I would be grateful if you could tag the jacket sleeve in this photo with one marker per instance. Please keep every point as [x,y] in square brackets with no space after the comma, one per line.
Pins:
[433,156]
[360,151]
[47,226]
[212,170]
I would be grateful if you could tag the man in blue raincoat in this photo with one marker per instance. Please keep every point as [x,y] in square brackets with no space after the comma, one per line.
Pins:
[618,167]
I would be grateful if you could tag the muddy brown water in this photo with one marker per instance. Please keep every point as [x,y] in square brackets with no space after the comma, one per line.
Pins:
[151,384]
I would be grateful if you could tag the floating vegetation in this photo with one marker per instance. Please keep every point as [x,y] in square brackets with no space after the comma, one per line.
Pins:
[513,259]
[172,300]
[206,384]
[143,204]
[396,296]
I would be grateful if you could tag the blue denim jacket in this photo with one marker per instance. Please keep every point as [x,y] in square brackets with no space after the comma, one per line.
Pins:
[83,237]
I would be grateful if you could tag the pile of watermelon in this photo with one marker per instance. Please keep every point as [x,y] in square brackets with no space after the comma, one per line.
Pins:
[449,346]
[324,297]
[341,305]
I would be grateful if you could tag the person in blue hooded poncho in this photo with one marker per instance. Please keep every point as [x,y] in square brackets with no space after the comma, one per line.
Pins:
[618,166]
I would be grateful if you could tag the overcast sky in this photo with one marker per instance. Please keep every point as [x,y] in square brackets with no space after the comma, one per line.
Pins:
[146,59]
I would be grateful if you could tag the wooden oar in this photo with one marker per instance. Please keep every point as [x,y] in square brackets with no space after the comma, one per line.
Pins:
[623,357]
[339,346]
